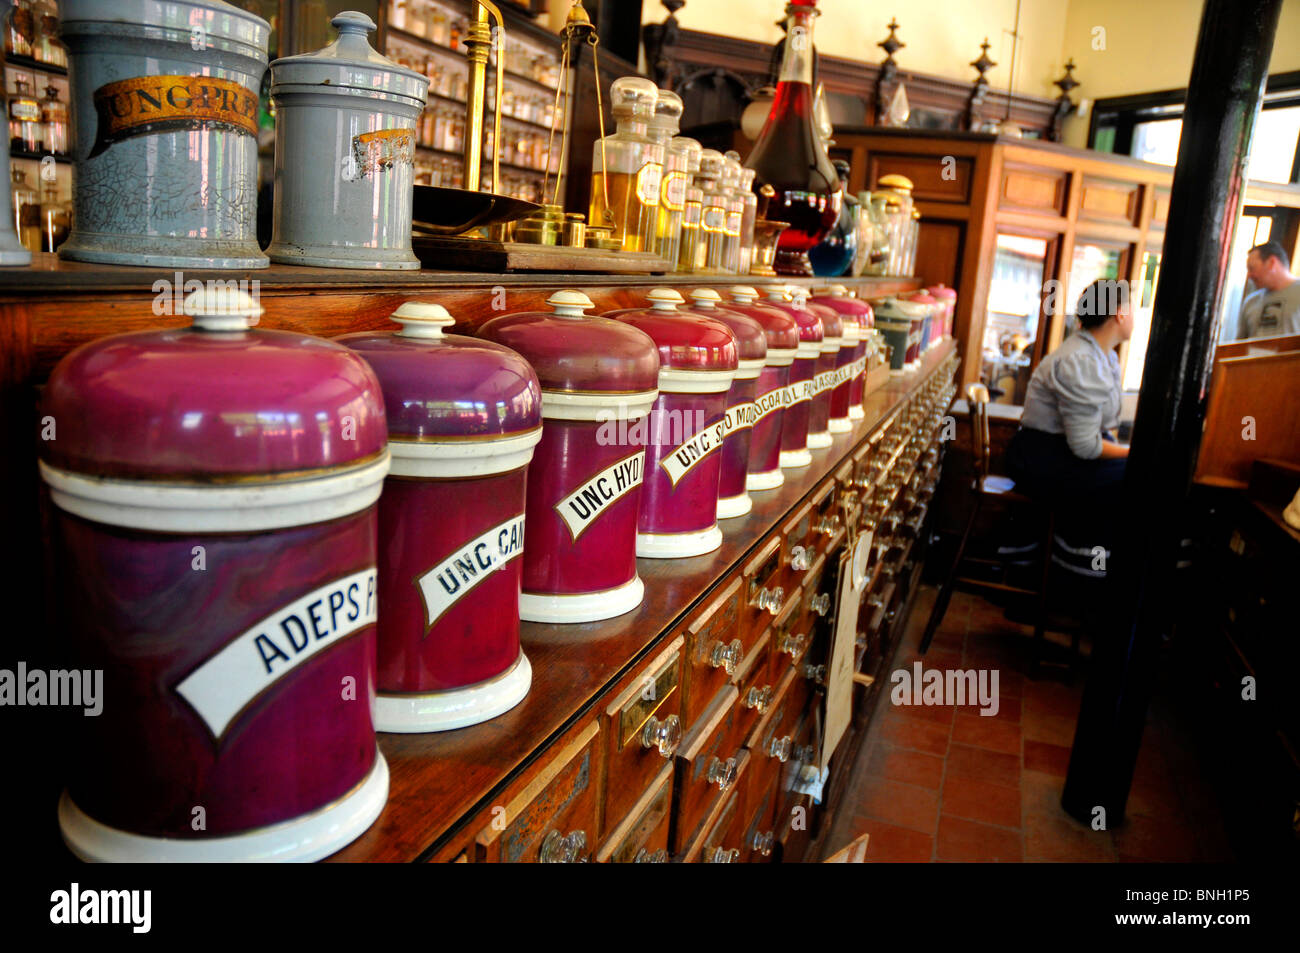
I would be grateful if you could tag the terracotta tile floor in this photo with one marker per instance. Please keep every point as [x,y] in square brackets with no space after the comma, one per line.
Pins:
[943,783]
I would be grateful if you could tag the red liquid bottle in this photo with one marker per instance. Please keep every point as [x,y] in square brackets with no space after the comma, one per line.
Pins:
[789,155]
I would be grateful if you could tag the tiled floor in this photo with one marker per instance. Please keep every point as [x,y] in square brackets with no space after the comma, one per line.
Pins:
[944,783]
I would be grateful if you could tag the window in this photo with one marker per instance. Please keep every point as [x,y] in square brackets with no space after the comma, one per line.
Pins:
[1143,303]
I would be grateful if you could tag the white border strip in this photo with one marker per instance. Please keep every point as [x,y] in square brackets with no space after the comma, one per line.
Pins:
[750,369]
[780,356]
[674,380]
[172,508]
[810,349]
[303,839]
[560,405]
[458,708]
[462,458]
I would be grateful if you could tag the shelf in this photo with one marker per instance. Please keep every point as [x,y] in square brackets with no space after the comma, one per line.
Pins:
[27,63]
[487,162]
[428,44]
[505,117]
[38,156]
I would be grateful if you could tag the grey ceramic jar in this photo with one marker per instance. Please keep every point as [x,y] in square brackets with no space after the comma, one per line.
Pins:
[344,154]
[165,108]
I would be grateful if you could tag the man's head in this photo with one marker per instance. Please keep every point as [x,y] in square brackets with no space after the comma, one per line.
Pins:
[1268,267]
[1106,299]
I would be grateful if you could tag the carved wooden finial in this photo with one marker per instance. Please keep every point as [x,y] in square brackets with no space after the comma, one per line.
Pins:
[983,64]
[891,44]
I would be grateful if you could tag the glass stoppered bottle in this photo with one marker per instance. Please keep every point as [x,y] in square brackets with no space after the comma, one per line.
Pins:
[689,250]
[735,211]
[713,220]
[790,156]
[627,167]
[749,217]
[672,194]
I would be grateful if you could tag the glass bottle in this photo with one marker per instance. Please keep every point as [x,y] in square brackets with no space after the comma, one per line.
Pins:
[46,47]
[878,262]
[627,167]
[789,155]
[56,218]
[834,253]
[20,33]
[866,236]
[26,134]
[748,218]
[713,219]
[54,117]
[26,210]
[735,213]
[688,252]
[672,193]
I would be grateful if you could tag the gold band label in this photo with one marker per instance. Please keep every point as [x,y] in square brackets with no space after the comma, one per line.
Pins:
[152,104]
[383,149]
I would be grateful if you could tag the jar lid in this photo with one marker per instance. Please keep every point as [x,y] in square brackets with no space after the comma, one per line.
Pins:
[899,308]
[942,291]
[224,26]
[751,340]
[921,297]
[213,402]
[348,65]
[697,355]
[577,354]
[447,387]
[781,330]
[633,97]
[895,181]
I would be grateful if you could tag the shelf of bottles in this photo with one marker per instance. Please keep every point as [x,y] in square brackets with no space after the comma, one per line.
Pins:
[425,36]
[35,76]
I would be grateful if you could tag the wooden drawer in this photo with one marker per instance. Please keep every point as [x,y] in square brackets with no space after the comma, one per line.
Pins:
[781,721]
[642,728]
[766,587]
[827,522]
[721,840]
[760,806]
[552,817]
[789,638]
[712,652]
[756,688]
[642,837]
[707,767]
[801,756]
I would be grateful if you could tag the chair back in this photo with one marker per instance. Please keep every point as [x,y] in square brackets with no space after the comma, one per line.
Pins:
[977,396]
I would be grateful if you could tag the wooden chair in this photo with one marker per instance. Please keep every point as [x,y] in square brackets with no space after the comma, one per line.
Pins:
[984,487]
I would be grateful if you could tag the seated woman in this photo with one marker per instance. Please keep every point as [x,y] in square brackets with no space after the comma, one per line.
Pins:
[1064,453]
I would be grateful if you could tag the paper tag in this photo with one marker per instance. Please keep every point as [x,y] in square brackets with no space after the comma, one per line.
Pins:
[839,675]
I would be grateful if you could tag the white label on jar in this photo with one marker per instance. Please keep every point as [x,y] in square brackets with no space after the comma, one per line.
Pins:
[765,404]
[674,193]
[858,367]
[797,393]
[715,218]
[255,660]
[692,214]
[444,585]
[733,223]
[693,452]
[581,507]
[648,182]
[829,380]
[739,417]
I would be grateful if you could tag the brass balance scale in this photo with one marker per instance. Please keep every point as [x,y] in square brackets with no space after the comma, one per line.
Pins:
[473,230]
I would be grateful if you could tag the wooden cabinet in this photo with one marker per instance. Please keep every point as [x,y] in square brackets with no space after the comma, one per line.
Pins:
[584,767]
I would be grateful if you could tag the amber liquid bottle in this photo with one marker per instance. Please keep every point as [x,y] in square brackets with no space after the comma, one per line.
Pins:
[789,155]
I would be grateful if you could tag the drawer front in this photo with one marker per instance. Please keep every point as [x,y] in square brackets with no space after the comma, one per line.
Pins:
[723,840]
[766,587]
[756,690]
[707,767]
[760,804]
[713,651]
[642,727]
[643,835]
[800,551]
[790,638]
[827,522]
[552,817]
[802,756]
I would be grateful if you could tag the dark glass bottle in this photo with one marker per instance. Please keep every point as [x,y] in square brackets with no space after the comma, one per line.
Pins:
[834,254]
[790,157]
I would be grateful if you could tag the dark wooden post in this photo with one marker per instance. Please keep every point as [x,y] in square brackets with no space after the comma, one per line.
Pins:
[1223,99]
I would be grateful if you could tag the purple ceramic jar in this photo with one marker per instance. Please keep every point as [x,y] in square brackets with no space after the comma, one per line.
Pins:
[214,495]
[799,394]
[697,363]
[598,379]
[463,418]
[846,399]
[751,341]
[824,377]
[772,387]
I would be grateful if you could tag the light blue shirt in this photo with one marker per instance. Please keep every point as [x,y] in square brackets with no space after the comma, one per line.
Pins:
[1075,391]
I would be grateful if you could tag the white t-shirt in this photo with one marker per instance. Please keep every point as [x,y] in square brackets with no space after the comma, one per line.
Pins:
[1267,314]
